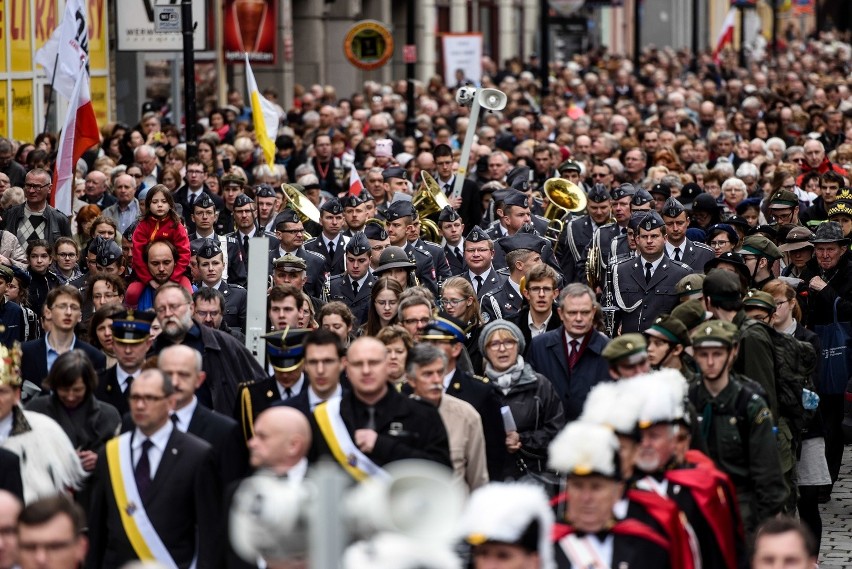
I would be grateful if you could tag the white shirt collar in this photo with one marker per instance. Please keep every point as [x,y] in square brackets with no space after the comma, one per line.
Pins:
[5,428]
[185,414]
[50,346]
[362,280]
[295,390]
[449,378]
[484,275]
[211,235]
[654,264]
[216,286]
[670,249]
[538,330]
[159,439]
[314,399]
[515,286]
[249,234]
[122,376]
[297,473]
[194,194]
[326,240]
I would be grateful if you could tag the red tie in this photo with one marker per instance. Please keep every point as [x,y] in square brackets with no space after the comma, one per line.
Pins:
[575,354]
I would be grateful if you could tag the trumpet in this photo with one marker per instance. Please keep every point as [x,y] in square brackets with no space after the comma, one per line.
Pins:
[563,197]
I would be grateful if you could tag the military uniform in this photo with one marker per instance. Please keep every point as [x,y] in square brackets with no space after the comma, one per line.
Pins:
[694,254]
[505,302]
[333,265]
[340,288]
[236,299]
[604,235]
[493,282]
[315,271]
[573,248]
[458,265]
[425,263]
[639,303]
[442,265]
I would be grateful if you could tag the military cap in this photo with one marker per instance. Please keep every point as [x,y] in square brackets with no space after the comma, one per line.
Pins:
[689,192]
[705,202]
[444,327]
[738,221]
[351,201]
[375,231]
[585,449]
[516,198]
[10,365]
[630,347]
[765,230]
[284,348]
[131,326]
[840,208]
[731,258]
[715,334]
[761,246]
[286,216]
[635,219]
[844,195]
[209,248]
[394,258]
[641,197]
[651,221]
[477,235]
[661,189]
[625,190]
[783,199]
[829,232]
[673,208]
[243,200]
[448,214]
[720,285]
[107,253]
[400,209]
[797,238]
[689,285]
[747,203]
[570,166]
[522,241]
[195,245]
[669,329]
[518,178]
[204,202]
[6,273]
[290,263]
[128,233]
[264,191]
[691,313]
[394,172]
[366,196]
[94,244]
[22,276]
[358,244]
[231,180]
[758,299]
[332,206]
[599,194]
[726,229]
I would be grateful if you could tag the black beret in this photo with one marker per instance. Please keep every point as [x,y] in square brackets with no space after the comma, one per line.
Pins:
[401,208]
[448,214]
[242,201]
[358,244]
[332,206]
[394,172]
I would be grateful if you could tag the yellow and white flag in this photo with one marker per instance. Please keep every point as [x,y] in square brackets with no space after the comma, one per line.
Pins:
[265,117]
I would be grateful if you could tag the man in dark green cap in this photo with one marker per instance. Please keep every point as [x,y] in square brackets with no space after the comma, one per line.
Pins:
[784,207]
[759,305]
[759,254]
[737,424]
[627,356]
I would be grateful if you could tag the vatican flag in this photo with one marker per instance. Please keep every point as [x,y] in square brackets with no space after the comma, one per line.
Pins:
[265,117]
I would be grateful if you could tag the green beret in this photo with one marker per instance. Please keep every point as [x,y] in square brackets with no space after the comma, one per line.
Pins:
[715,334]
[670,329]
[759,299]
[691,313]
[625,346]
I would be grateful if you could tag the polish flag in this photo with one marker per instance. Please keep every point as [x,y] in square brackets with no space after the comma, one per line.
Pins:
[78,135]
[355,184]
[726,35]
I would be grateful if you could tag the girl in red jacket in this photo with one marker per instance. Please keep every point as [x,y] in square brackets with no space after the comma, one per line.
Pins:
[161,223]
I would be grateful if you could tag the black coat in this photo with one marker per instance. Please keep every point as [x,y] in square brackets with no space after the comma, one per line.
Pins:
[333,265]
[820,304]
[34,359]
[183,503]
[109,391]
[10,473]
[57,222]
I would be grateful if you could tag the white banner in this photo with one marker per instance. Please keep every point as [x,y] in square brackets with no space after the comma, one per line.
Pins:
[135,27]
[462,58]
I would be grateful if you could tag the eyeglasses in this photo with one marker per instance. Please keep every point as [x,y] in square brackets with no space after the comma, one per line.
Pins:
[717,244]
[540,289]
[199,172]
[452,301]
[104,296]
[208,313]
[31,186]
[146,399]
[66,255]
[497,345]
[416,321]
[173,308]
[66,307]
[481,251]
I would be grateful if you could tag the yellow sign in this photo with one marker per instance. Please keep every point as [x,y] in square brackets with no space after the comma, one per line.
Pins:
[3,42]
[20,42]
[100,93]
[4,127]
[23,109]
[368,45]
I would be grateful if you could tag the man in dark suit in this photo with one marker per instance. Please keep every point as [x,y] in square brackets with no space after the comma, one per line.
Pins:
[678,247]
[452,229]
[182,365]
[285,354]
[355,286]
[330,243]
[166,475]
[193,189]
[64,306]
[644,287]
[131,333]
[570,356]
[291,235]
[478,254]
[469,204]
[323,366]
[539,312]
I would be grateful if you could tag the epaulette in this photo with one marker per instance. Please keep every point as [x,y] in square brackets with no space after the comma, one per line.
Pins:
[246,383]
[683,265]
[236,286]
[311,240]
[702,245]
[482,378]
[503,271]
[422,252]
[336,277]
[309,252]
[231,239]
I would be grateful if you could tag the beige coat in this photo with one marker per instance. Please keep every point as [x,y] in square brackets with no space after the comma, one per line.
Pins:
[11,249]
[467,441]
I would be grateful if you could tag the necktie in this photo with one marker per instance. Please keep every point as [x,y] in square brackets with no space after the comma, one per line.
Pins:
[355,287]
[245,245]
[191,201]
[459,255]
[128,382]
[331,249]
[448,188]
[175,419]
[478,280]
[288,393]
[648,272]
[575,353]
[677,254]
[142,473]
[624,231]
[371,418]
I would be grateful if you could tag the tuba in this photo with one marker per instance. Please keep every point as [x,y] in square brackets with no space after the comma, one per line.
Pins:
[301,205]
[564,197]
[428,200]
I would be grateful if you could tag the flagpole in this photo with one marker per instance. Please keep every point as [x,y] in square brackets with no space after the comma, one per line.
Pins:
[50,93]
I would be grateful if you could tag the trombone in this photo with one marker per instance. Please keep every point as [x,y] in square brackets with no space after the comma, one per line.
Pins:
[563,197]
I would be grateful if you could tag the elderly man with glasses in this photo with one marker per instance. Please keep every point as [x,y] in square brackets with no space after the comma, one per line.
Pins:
[36,219]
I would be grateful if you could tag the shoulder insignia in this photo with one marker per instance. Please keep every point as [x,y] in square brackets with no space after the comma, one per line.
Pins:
[762,416]
[481,378]
[336,277]
[236,286]
[315,254]
[245,384]
[311,240]
[269,393]
[503,271]
[486,317]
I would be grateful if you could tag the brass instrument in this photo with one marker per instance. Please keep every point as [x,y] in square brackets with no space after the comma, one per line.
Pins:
[301,205]
[593,267]
[564,197]
[429,199]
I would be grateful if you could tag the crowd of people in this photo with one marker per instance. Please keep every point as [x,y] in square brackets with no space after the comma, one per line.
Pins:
[650,373]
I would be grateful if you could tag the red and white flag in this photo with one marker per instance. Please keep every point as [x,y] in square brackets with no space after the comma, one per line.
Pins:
[78,135]
[726,35]
[67,50]
[355,184]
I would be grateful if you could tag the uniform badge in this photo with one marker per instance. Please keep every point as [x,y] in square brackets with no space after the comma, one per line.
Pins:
[352,460]
[130,509]
[395,429]
[457,385]
[269,393]
[508,306]
[486,317]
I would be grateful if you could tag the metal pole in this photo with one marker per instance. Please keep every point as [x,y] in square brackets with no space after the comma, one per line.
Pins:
[50,93]
[472,126]
[775,28]
[410,121]
[188,74]
[637,34]
[544,32]
[742,37]
[696,6]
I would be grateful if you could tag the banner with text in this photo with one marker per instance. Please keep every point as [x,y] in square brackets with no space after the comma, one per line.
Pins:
[462,58]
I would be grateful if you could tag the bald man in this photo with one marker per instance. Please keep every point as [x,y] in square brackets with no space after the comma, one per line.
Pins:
[10,508]
[282,438]
[375,425]
[96,190]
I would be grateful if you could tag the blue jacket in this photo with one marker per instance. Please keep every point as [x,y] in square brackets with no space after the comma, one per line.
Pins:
[546,355]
